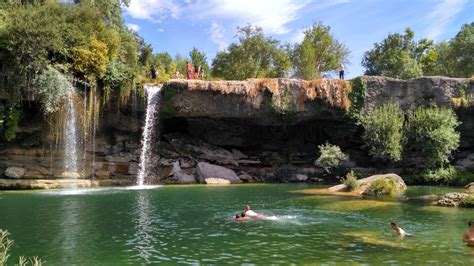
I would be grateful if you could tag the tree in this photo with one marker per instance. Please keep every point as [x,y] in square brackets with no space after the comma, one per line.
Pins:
[383,132]
[462,51]
[199,58]
[438,61]
[430,135]
[91,60]
[254,56]
[397,56]
[319,52]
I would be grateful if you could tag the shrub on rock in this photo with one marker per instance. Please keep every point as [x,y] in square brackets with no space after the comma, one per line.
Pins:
[383,186]
[467,202]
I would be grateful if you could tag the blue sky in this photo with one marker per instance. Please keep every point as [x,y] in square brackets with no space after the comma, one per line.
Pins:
[176,26]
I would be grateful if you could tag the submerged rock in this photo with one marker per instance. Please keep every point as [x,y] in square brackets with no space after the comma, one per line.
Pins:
[452,199]
[15,172]
[425,198]
[210,174]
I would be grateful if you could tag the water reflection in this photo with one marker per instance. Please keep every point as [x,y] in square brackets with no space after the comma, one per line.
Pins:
[70,229]
[143,239]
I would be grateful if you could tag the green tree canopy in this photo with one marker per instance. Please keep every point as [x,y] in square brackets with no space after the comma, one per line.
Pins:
[199,58]
[397,56]
[254,56]
[318,52]
[462,51]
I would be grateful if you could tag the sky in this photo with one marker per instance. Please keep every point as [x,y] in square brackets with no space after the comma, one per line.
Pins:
[176,26]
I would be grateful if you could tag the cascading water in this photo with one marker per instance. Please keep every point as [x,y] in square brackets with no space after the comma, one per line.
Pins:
[148,133]
[70,137]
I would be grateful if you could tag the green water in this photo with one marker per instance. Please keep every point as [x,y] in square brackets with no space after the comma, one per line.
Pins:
[194,225]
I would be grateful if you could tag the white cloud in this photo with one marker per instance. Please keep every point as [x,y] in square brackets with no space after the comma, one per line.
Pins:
[216,33]
[272,15]
[441,15]
[298,36]
[133,27]
[153,10]
[160,30]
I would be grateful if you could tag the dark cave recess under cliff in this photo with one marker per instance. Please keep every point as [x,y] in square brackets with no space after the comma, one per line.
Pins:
[253,138]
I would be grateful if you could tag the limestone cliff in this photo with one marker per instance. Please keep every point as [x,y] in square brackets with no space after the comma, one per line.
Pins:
[248,126]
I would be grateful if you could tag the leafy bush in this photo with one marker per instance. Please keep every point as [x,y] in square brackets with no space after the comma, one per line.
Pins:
[92,59]
[467,202]
[331,157]
[357,96]
[53,88]
[383,132]
[12,117]
[430,133]
[444,175]
[383,186]
[351,181]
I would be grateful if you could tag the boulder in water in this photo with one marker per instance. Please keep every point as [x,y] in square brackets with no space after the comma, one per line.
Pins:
[452,199]
[470,188]
[365,183]
[209,173]
[15,172]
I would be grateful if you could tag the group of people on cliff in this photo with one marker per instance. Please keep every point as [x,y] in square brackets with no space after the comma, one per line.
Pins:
[191,73]
[198,72]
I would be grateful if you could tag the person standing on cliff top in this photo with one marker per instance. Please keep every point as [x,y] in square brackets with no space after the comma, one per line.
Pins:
[153,72]
[188,70]
[176,74]
[341,71]
[468,237]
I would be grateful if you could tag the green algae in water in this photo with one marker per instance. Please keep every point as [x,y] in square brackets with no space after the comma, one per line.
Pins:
[194,225]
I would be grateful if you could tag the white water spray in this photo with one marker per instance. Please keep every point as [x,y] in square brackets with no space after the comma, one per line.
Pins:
[70,135]
[148,133]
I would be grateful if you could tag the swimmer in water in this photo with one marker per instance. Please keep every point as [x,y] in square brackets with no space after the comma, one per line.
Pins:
[250,213]
[400,232]
[241,217]
[468,237]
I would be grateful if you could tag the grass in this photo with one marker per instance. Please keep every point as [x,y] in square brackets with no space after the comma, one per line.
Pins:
[5,244]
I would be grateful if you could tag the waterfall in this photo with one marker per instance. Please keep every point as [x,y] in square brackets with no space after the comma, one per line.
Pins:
[148,133]
[70,137]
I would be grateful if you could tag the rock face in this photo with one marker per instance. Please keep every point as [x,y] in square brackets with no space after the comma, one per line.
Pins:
[247,126]
[452,199]
[214,174]
[15,172]
[364,184]
[12,184]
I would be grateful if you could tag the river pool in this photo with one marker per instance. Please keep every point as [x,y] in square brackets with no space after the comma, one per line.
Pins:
[193,224]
